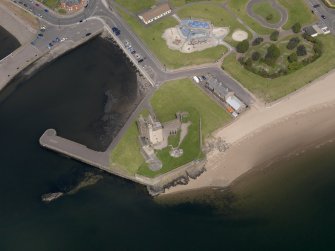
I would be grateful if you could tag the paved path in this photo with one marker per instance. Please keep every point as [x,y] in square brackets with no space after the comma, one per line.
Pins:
[282,11]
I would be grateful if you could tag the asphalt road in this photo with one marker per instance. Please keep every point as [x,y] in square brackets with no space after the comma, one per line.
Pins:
[98,10]
[325,11]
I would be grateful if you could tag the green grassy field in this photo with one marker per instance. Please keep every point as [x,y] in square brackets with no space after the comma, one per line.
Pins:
[239,7]
[282,61]
[190,145]
[126,154]
[298,11]
[152,36]
[216,14]
[272,89]
[176,95]
[179,95]
[52,4]
[264,10]
[136,5]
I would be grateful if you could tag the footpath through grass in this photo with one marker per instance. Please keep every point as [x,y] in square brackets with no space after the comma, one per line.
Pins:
[190,145]
[267,12]
[239,8]
[298,12]
[178,95]
[152,36]
[272,89]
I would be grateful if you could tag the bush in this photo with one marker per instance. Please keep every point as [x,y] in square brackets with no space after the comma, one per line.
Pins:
[296,28]
[274,36]
[292,57]
[272,55]
[243,46]
[269,17]
[293,43]
[257,41]
[255,56]
[301,50]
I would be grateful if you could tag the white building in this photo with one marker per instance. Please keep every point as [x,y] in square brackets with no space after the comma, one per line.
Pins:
[155,13]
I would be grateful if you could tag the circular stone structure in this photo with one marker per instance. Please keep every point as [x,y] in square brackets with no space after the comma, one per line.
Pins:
[239,35]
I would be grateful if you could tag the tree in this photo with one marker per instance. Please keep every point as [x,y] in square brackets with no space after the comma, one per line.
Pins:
[269,17]
[274,36]
[301,50]
[242,46]
[272,55]
[257,41]
[292,43]
[255,56]
[296,28]
[292,57]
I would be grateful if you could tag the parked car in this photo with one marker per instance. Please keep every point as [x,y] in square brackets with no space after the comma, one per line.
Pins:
[323,16]
[46,10]
[88,34]
[40,35]
[316,5]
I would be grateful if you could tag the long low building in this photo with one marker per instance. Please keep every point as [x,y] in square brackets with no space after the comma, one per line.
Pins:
[155,13]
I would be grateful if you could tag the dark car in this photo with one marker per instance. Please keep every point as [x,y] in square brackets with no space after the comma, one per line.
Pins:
[316,5]
[323,16]
[141,60]
[25,5]
[50,44]
[40,35]
[80,21]
[88,34]
[46,10]
[37,4]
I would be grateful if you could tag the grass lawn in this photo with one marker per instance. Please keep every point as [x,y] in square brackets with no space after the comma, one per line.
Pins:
[52,4]
[239,7]
[265,10]
[272,89]
[136,6]
[216,14]
[179,3]
[282,62]
[190,145]
[298,11]
[174,96]
[178,95]
[126,154]
[152,36]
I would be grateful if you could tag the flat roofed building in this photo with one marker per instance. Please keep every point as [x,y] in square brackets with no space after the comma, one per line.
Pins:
[155,13]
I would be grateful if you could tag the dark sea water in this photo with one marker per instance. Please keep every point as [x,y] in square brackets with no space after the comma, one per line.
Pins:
[288,207]
[8,43]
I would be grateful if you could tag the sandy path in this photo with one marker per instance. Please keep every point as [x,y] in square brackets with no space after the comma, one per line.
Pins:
[264,133]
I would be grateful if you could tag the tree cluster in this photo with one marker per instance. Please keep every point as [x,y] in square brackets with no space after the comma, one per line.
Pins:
[257,41]
[242,46]
[274,36]
[292,43]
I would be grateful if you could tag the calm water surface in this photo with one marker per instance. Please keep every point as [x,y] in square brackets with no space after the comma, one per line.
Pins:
[8,43]
[288,207]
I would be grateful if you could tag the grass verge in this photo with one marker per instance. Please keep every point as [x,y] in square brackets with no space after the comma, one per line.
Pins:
[298,12]
[136,6]
[272,89]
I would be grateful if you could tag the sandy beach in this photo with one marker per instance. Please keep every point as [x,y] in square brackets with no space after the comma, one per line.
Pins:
[266,133]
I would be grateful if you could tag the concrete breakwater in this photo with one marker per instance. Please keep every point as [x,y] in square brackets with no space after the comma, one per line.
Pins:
[155,186]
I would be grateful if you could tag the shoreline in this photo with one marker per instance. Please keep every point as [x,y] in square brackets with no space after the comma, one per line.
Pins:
[265,134]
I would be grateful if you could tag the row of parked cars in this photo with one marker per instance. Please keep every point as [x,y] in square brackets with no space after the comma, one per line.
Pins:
[29,7]
[138,57]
